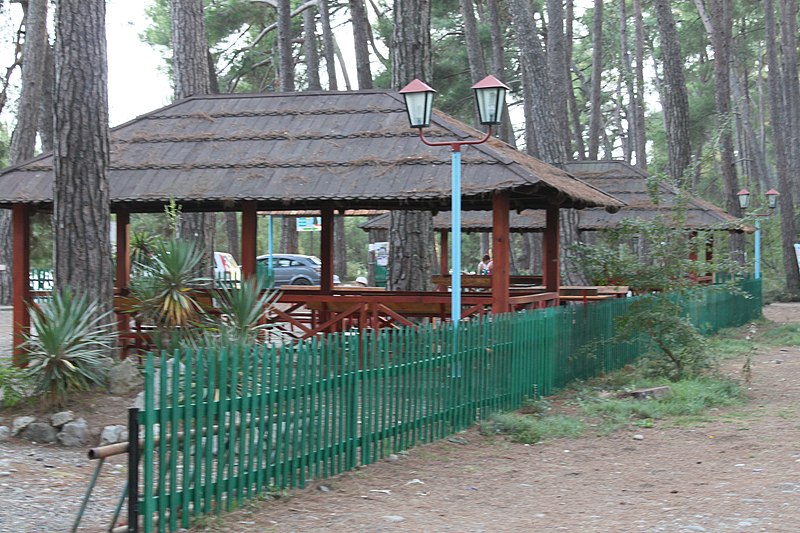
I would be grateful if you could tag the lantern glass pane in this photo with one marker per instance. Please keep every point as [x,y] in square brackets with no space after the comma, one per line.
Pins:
[490,104]
[744,200]
[772,200]
[419,109]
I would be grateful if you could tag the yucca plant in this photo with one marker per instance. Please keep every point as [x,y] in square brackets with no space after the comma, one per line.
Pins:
[166,292]
[72,340]
[241,310]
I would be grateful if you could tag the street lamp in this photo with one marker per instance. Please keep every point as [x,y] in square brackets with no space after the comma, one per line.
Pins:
[744,203]
[490,95]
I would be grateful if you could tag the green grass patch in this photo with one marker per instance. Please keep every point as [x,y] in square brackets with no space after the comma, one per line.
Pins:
[782,335]
[529,429]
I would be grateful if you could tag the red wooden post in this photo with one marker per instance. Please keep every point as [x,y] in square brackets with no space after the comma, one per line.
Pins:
[501,253]
[551,274]
[20,271]
[249,234]
[123,273]
[693,246]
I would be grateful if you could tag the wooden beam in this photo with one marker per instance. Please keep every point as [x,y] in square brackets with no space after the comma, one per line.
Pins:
[249,235]
[551,267]
[326,251]
[123,273]
[501,253]
[20,272]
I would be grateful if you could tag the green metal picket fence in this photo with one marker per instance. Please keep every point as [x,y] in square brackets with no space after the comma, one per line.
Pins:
[220,427]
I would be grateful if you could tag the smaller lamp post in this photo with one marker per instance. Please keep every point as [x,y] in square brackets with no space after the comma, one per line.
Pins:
[744,203]
[490,95]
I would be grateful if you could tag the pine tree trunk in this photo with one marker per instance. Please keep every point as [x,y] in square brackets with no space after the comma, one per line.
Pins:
[791,88]
[595,118]
[81,212]
[558,66]
[23,141]
[640,141]
[675,99]
[232,233]
[285,58]
[311,50]
[328,47]
[777,112]
[412,253]
[722,25]
[358,16]
[191,77]
[340,248]
[498,66]
[537,87]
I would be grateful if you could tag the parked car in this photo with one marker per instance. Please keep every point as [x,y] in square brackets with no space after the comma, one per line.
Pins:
[293,269]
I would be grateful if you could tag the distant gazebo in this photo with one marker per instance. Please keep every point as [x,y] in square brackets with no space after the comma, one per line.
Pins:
[326,151]
[643,199]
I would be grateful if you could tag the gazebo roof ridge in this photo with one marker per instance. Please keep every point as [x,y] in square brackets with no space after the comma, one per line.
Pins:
[302,150]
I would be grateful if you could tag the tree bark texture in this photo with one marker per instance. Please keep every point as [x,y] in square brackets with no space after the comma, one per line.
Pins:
[640,141]
[722,27]
[412,252]
[537,88]
[285,58]
[361,39]
[311,50]
[189,49]
[23,141]
[81,214]
[558,66]
[477,65]
[777,111]
[339,248]
[595,118]
[675,99]
[498,66]
[791,88]
[328,47]
[192,76]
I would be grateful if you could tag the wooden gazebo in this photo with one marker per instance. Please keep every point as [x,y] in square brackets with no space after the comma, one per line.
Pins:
[326,151]
[643,199]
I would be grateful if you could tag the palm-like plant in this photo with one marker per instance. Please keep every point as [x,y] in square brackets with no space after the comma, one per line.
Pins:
[71,342]
[166,289]
[241,310]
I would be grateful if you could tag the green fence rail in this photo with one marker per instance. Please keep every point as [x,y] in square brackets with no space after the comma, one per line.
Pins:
[220,427]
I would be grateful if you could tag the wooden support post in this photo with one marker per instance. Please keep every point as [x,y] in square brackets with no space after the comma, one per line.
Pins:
[501,253]
[693,246]
[249,234]
[123,272]
[551,267]
[20,271]
[326,252]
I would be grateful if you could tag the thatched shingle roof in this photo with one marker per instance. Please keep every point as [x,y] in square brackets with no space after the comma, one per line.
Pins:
[349,150]
[623,181]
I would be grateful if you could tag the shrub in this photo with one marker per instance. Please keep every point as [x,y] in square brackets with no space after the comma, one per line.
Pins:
[13,385]
[69,348]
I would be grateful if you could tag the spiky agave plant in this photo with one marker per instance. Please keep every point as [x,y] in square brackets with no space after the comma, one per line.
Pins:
[241,310]
[70,343]
[166,290]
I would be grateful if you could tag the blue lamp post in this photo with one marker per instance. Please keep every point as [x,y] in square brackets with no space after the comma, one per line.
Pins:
[744,203]
[490,95]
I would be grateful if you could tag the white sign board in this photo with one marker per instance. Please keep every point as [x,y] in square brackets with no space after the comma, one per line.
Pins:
[309,224]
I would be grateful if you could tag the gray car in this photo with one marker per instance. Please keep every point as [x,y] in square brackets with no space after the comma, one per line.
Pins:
[293,269]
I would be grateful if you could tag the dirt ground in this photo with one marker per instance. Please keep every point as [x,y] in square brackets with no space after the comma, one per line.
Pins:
[740,472]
